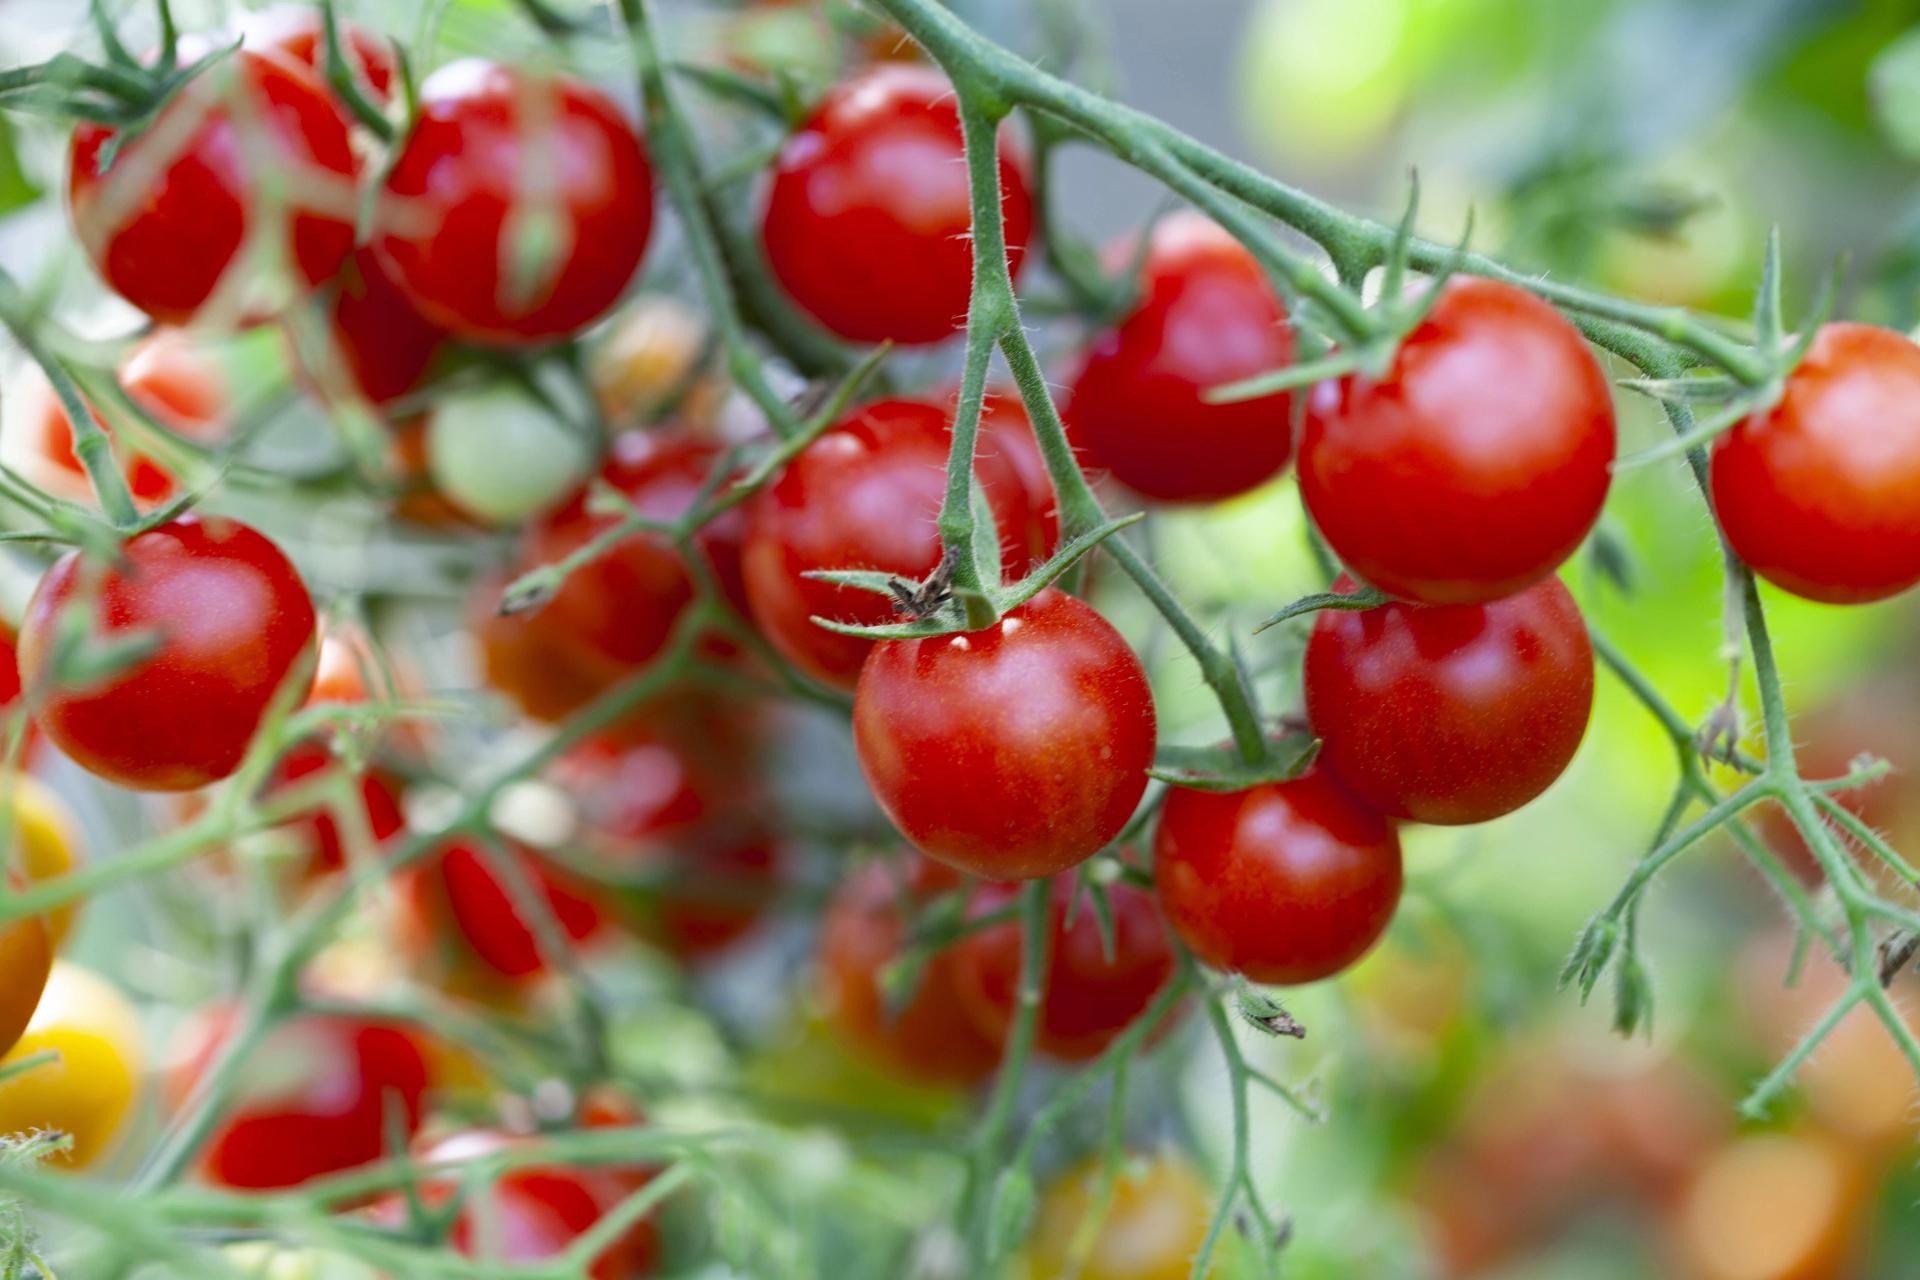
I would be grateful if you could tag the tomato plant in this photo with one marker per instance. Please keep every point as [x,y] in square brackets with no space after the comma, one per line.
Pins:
[519,207]
[165,216]
[1097,986]
[1206,316]
[1451,713]
[1013,752]
[300,33]
[465,903]
[1476,463]
[1285,882]
[89,1089]
[1820,494]
[221,626]
[866,494]
[867,221]
[379,346]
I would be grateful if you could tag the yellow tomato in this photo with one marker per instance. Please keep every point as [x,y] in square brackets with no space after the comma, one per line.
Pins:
[47,845]
[1153,1225]
[88,1091]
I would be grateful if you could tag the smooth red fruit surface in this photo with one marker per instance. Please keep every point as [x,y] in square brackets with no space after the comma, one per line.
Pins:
[520,206]
[232,627]
[1476,464]
[1206,316]
[1091,996]
[298,32]
[378,346]
[323,847]
[616,612]
[1012,752]
[1821,493]
[177,383]
[866,495]
[1284,882]
[316,1098]
[928,1039]
[466,890]
[1451,713]
[164,223]
[534,1213]
[867,222]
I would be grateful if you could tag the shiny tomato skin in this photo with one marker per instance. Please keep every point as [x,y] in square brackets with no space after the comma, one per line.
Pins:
[1821,493]
[1285,882]
[313,1100]
[461,890]
[1090,999]
[298,32]
[178,384]
[378,345]
[175,236]
[458,190]
[1013,752]
[1476,464]
[234,626]
[615,613]
[867,224]
[866,495]
[928,1040]
[1206,316]
[1451,714]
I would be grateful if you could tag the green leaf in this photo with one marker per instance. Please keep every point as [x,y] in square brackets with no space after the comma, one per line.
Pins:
[1222,768]
[1364,598]
[16,189]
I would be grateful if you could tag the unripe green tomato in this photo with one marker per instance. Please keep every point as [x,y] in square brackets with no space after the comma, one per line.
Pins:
[264,1260]
[500,455]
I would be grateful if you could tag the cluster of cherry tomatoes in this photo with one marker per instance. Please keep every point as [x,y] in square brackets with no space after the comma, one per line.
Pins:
[1452,478]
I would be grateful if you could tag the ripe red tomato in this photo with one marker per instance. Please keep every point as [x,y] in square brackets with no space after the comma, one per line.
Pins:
[178,384]
[1013,752]
[377,340]
[298,32]
[1476,464]
[1454,713]
[659,807]
[316,830]
[1821,493]
[929,1039]
[534,1213]
[233,625]
[520,206]
[1090,998]
[867,223]
[1285,882]
[164,223]
[457,897]
[866,495]
[316,1098]
[616,612]
[1206,316]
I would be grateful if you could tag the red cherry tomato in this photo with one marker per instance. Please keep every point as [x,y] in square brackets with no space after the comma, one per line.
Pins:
[317,1098]
[519,207]
[866,495]
[299,33]
[178,384]
[867,223]
[1005,432]
[172,213]
[459,897]
[1451,713]
[534,1213]
[1284,882]
[317,831]
[1821,493]
[930,1039]
[378,346]
[1206,316]
[1476,464]
[1013,752]
[1091,996]
[658,807]
[616,612]
[232,626]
